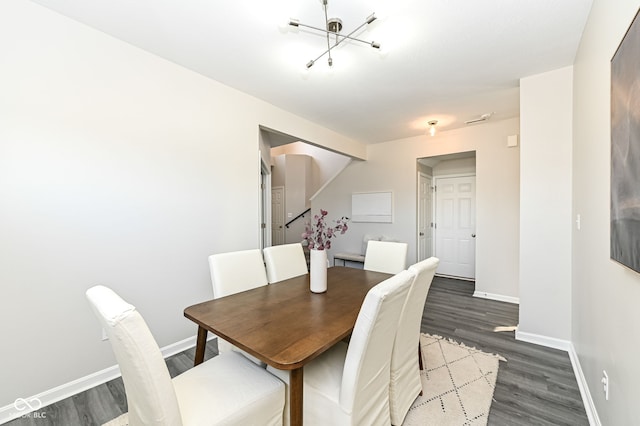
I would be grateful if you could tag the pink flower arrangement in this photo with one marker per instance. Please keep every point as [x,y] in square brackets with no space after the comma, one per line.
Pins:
[318,236]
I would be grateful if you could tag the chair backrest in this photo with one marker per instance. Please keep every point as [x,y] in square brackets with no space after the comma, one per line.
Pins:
[236,271]
[151,397]
[405,371]
[284,262]
[364,391]
[386,256]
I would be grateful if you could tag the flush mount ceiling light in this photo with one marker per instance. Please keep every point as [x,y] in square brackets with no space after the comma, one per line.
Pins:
[432,127]
[332,31]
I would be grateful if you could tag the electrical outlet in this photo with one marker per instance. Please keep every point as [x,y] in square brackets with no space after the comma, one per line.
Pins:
[605,385]
[104,335]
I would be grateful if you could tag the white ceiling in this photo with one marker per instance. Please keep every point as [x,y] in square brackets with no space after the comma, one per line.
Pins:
[449,60]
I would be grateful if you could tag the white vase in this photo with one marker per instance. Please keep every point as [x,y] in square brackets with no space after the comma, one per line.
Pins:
[318,271]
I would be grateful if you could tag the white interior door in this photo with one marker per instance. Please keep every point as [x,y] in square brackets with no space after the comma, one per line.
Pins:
[277,215]
[455,230]
[425,217]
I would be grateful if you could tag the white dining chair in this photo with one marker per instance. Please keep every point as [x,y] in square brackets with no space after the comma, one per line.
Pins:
[284,262]
[386,256]
[349,384]
[227,389]
[405,383]
[234,272]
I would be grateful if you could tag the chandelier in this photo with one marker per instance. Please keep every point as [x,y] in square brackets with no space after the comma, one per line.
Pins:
[334,37]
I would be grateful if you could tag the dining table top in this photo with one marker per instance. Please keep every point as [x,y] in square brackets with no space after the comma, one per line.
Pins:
[284,324]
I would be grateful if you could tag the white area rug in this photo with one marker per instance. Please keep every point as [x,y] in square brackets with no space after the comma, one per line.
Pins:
[457,382]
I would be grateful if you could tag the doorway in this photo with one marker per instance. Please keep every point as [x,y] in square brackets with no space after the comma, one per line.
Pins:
[446,213]
[425,216]
[277,215]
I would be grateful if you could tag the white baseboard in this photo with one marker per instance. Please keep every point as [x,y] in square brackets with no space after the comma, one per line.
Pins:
[498,297]
[30,406]
[550,342]
[589,405]
[568,347]
[456,278]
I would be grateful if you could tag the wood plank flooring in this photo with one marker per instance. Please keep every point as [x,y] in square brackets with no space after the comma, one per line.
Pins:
[536,386]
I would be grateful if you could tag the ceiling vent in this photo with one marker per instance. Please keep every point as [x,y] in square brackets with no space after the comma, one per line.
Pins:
[483,117]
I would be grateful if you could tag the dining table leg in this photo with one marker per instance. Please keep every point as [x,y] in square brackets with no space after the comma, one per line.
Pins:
[201,343]
[296,385]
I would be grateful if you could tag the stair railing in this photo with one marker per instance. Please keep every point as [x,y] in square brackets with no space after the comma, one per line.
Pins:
[297,217]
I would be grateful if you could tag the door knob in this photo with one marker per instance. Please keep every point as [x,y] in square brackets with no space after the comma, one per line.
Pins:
[473,235]
[422,234]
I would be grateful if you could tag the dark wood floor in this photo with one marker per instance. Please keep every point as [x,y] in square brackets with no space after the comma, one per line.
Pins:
[536,386]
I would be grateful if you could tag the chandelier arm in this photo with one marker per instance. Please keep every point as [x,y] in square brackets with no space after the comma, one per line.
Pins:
[320,56]
[326,18]
[351,33]
[356,39]
[300,24]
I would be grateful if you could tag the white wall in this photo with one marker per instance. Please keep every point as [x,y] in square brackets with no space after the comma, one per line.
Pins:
[545,204]
[456,166]
[605,296]
[297,193]
[115,168]
[392,166]
[325,165]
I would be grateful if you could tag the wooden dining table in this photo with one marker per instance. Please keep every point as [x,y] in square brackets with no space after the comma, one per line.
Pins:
[285,324]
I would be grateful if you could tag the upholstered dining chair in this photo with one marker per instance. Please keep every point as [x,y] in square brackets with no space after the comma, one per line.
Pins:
[349,384]
[234,272]
[386,256]
[405,383]
[284,262]
[227,389]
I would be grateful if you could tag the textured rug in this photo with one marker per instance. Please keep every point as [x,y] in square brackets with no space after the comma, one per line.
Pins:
[122,420]
[457,382]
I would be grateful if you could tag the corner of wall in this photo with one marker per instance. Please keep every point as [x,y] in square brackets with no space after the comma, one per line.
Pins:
[328,182]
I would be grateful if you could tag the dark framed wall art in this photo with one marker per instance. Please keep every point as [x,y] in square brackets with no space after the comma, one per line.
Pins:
[625,149]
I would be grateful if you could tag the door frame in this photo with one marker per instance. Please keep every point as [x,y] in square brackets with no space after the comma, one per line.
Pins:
[420,255]
[265,205]
[284,219]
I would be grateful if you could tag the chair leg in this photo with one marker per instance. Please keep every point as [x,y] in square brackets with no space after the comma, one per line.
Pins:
[420,361]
